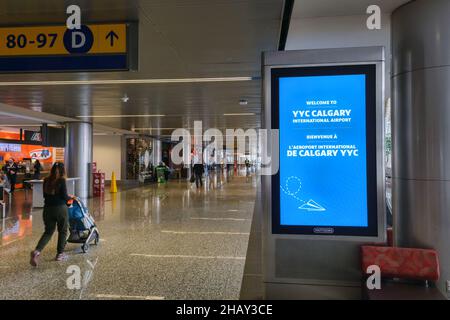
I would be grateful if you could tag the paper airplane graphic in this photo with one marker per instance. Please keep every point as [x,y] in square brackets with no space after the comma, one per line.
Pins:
[311,205]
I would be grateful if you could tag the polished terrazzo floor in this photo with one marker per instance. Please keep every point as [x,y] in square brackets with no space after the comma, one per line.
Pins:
[158,242]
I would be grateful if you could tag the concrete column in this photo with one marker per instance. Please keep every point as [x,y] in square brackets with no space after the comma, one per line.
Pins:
[78,156]
[421,128]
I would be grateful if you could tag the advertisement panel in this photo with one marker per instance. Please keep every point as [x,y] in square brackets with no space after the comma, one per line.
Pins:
[98,184]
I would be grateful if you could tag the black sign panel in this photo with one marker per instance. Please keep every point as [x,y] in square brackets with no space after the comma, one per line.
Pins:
[32,136]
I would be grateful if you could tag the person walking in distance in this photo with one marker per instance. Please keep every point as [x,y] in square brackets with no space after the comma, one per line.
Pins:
[198,172]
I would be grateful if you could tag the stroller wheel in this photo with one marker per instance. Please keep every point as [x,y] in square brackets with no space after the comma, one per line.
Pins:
[85,247]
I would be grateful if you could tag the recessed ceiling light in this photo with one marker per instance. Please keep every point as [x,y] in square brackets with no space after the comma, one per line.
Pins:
[125,116]
[20,125]
[155,129]
[125,81]
[240,114]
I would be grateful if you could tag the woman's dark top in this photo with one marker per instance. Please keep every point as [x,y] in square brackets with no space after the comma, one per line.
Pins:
[59,197]
[37,171]
[37,167]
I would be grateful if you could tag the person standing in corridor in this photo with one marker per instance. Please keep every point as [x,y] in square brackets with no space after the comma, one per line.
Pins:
[37,170]
[10,170]
[55,213]
[198,172]
[247,166]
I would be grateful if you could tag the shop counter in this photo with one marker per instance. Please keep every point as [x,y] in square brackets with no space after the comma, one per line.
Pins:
[38,190]
[23,178]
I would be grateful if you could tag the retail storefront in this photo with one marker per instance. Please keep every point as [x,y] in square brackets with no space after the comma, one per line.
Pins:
[139,162]
[25,153]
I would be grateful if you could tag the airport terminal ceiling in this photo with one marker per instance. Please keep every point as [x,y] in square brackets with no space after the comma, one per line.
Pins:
[177,39]
[305,9]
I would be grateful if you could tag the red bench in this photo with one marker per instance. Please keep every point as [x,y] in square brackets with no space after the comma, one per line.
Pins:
[390,237]
[399,264]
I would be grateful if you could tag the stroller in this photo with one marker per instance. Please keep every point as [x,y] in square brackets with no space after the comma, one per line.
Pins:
[82,225]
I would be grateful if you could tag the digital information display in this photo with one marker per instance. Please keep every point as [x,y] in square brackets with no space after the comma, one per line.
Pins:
[326,118]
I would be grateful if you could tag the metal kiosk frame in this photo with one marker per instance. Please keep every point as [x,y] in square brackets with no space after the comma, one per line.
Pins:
[317,266]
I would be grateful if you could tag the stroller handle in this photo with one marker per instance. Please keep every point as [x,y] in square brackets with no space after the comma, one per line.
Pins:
[72,200]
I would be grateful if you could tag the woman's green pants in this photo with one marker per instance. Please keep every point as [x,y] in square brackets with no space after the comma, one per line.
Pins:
[56,216]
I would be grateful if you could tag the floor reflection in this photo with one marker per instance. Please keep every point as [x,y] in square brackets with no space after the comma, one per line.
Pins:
[18,222]
[15,228]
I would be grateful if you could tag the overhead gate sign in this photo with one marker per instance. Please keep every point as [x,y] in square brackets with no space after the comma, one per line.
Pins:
[95,47]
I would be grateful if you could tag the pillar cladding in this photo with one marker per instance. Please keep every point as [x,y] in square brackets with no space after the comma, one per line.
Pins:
[157,151]
[421,127]
[78,156]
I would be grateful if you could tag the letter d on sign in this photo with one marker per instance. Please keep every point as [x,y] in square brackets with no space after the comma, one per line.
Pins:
[82,39]
[373,281]
[374,20]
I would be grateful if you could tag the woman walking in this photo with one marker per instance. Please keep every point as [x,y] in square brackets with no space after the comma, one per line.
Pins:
[55,213]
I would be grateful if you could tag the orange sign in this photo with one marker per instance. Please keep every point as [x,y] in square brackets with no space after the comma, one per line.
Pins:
[44,154]
[9,135]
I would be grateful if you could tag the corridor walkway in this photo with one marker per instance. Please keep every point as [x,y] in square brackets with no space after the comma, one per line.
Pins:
[157,242]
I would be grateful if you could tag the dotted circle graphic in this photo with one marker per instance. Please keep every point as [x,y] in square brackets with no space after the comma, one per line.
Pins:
[288,191]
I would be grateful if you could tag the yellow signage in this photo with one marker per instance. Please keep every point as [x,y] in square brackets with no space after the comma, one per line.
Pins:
[58,40]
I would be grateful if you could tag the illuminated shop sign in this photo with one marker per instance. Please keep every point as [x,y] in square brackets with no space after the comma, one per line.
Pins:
[327,179]
[40,154]
[9,147]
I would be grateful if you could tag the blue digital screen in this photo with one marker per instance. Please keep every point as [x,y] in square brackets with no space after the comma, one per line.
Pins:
[324,178]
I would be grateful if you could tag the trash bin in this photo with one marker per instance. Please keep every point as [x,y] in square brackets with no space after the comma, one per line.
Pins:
[160,174]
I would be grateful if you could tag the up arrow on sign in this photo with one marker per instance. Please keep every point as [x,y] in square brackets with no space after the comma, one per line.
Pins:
[111,35]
